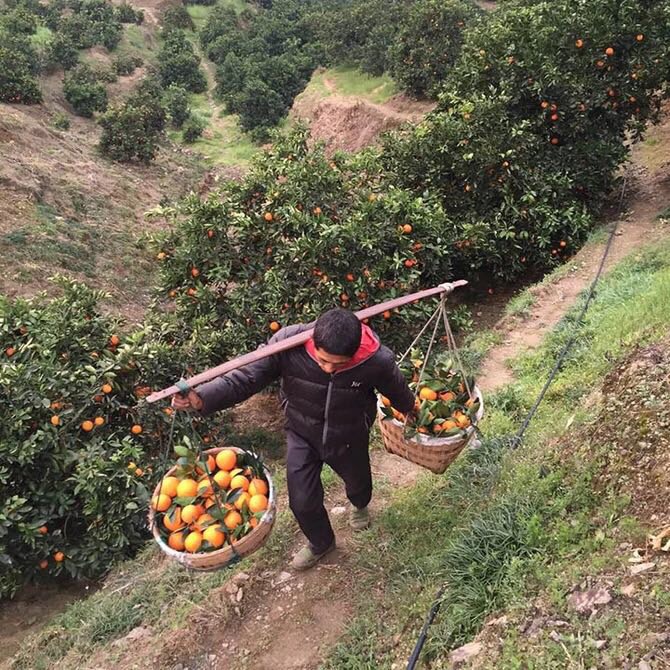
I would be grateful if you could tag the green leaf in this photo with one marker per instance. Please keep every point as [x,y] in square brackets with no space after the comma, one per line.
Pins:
[182,451]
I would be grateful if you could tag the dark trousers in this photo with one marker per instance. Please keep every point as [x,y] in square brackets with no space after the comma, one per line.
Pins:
[305,491]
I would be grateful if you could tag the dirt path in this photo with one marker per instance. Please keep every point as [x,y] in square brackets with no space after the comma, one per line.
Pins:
[638,227]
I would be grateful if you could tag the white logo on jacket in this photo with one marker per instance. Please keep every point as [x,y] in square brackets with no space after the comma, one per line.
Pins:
[355,384]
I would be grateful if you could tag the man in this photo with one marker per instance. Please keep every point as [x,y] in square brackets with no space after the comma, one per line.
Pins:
[328,397]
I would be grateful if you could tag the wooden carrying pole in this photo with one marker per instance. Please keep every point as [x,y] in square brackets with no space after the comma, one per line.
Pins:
[297,340]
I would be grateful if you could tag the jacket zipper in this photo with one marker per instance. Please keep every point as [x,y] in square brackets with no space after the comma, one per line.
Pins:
[325,413]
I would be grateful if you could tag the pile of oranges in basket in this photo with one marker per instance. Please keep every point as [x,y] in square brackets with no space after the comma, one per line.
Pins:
[200,506]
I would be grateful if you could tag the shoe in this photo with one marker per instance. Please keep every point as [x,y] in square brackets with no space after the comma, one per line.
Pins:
[359,519]
[306,558]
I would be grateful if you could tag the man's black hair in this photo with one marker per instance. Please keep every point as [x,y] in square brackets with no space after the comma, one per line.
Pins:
[338,331]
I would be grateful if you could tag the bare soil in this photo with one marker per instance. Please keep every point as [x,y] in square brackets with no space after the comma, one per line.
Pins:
[351,123]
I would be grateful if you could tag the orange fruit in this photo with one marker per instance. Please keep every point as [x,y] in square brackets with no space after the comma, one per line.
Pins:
[195,272]
[258,503]
[253,522]
[639,37]
[136,429]
[427,394]
[59,557]
[275,326]
[193,541]
[210,234]
[242,500]
[462,421]
[205,488]
[226,459]
[407,229]
[203,521]
[232,520]
[214,535]
[98,421]
[447,396]
[211,462]
[106,388]
[176,540]
[449,424]
[187,488]
[161,502]
[55,420]
[387,314]
[139,472]
[579,43]
[114,340]
[10,351]
[43,530]
[239,482]
[222,478]
[44,564]
[257,486]
[169,486]
[268,216]
[191,512]
[609,51]
[87,426]
[173,521]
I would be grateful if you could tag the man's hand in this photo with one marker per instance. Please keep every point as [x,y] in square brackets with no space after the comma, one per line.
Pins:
[192,401]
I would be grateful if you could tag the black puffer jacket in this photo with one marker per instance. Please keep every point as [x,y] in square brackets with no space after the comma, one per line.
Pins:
[331,411]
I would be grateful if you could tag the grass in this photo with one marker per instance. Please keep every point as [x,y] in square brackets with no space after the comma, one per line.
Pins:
[53,240]
[509,522]
[41,37]
[223,143]
[351,81]
[521,304]
[200,13]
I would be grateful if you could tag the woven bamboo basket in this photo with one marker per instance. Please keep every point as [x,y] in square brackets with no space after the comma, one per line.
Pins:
[227,555]
[434,453]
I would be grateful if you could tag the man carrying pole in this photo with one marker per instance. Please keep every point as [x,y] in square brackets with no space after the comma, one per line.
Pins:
[328,396]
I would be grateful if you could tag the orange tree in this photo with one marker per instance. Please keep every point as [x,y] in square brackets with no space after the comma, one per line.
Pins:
[532,126]
[77,451]
[301,234]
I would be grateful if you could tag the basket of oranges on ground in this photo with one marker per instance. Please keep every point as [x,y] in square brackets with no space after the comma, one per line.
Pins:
[447,409]
[209,514]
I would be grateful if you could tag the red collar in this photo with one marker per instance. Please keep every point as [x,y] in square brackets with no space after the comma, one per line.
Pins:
[368,346]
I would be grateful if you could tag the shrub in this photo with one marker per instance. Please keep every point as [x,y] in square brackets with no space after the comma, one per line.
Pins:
[60,121]
[126,64]
[62,51]
[125,13]
[68,486]
[177,17]
[18,64]
[178,63]
[193,128]
[523,151]
[428,44]
[175,101]
[18,21]
[132,130]
[83,91]
[299,235]
[263,61]
[92,22]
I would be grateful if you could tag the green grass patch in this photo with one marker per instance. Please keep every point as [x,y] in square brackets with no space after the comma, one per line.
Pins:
[41,37]
[351,81]
[223,143]
[521,304]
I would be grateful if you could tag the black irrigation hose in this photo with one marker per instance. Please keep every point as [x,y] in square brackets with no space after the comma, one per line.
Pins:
[516,440]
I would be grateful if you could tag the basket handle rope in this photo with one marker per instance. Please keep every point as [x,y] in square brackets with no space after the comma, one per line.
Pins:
[440,311]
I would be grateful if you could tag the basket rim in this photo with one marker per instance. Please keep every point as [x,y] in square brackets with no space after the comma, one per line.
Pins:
[183,556]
